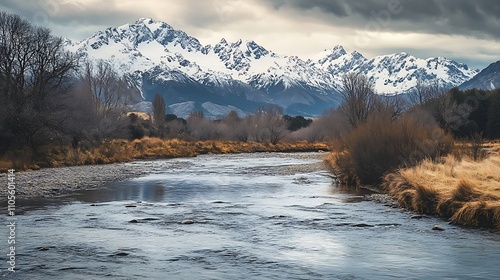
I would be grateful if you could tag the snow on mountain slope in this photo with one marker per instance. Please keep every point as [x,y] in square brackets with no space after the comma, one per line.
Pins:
[395,73]
[244,74]
[219,110]
[487,79]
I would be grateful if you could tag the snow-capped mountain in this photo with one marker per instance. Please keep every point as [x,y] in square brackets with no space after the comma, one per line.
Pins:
[487,79]
[244,75]
[395,73]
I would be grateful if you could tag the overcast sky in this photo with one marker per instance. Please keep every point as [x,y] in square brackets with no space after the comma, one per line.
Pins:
[464,30]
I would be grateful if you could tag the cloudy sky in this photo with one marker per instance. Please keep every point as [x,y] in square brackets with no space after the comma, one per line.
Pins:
[464,30]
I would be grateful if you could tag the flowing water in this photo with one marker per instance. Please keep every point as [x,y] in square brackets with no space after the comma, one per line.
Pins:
[256,216]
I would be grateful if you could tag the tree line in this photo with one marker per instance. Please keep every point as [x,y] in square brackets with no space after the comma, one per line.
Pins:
[267,125]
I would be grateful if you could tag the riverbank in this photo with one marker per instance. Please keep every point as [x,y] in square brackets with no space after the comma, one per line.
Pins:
[455,187]
[60,181]
[463,191]
[117,151]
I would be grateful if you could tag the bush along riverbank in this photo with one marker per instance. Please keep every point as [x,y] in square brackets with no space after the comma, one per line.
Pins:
[116,151]
[421,166]
[455,187]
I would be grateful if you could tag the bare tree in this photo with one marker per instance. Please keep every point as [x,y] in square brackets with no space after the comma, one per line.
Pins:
[423,91]
[107,89]
[231,123]
[359,98]
[110,94]
[278,128]
[388,106]
[269,125]
[201,128]
[242,132]
[34,78]
[81,117]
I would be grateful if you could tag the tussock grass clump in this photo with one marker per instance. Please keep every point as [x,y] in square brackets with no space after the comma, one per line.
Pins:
[425,200]
[415,196]
[465,191]
[478,214]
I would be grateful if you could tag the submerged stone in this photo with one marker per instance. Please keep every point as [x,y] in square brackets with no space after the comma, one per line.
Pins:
[417,217]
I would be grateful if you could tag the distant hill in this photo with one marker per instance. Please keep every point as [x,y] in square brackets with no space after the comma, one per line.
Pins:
[487,79]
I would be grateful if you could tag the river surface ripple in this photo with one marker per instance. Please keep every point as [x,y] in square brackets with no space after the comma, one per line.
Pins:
[255,216]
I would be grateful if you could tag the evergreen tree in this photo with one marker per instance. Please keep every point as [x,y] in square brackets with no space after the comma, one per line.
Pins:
[493,124]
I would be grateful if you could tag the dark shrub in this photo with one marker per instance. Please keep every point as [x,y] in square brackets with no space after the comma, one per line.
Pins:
[380,145]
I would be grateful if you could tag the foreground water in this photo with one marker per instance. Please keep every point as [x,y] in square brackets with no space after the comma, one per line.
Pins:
[258,216]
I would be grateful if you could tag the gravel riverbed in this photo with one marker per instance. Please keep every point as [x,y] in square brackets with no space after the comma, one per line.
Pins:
[52,182]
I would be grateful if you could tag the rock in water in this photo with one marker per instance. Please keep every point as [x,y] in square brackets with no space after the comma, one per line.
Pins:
[187,222]
[436,227]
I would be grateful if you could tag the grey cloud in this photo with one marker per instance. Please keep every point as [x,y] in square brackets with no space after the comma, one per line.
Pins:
[338,8]
[64,15]
[478,18]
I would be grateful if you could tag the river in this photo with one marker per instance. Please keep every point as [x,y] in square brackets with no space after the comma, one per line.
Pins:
[254,216]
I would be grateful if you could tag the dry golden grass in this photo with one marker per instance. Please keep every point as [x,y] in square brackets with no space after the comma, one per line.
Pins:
[146,148]
[465,191]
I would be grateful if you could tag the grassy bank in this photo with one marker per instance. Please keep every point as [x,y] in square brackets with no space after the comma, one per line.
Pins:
[464,191]
[146,148]
[454,187]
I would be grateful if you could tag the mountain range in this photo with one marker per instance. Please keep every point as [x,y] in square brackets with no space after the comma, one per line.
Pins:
[243,76]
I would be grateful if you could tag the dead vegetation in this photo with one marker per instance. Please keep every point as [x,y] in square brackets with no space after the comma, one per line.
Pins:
[364,155]
[146,148]
[462,190]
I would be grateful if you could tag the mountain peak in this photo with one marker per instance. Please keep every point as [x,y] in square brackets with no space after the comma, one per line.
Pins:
[256,50]
[487,79]
[338,49]
[330,55]
[357,55]
[236,44]
[146,20]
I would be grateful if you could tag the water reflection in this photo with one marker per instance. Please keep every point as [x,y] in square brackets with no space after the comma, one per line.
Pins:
[349,194]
